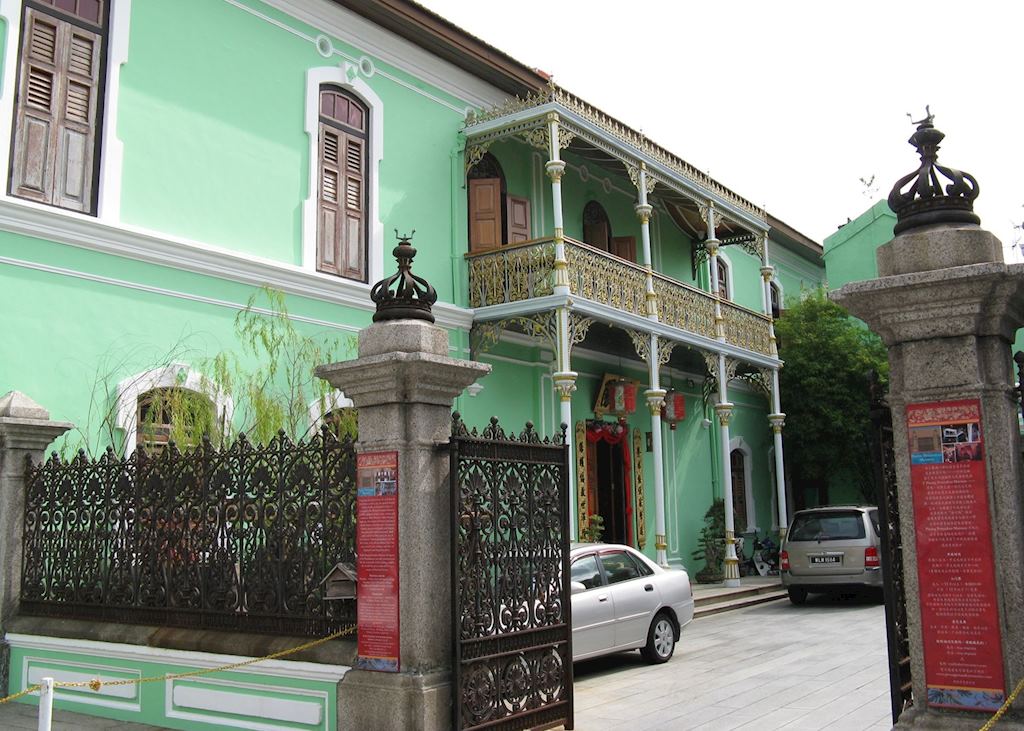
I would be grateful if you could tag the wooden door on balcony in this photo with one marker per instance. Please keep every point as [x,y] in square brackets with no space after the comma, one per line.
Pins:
[518,217]
[484,214]
[624,247]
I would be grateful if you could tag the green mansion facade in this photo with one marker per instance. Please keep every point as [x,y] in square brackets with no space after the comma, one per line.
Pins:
[168,160]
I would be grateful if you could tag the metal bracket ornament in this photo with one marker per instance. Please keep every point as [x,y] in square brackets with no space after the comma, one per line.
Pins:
[634,175]
[475,153]
[759,380]
[642,345]
[483,336]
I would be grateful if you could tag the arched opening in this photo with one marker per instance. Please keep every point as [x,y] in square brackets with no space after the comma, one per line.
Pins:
[597,229]
[776,303]
[495,217]
[173,414]
[737,465]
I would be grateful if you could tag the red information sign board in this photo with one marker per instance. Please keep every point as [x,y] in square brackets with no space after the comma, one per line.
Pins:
[377,560]
[955,562]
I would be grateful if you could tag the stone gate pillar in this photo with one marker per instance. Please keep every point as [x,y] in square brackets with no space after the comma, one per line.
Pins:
[947,308]
[25,431]
[403,384]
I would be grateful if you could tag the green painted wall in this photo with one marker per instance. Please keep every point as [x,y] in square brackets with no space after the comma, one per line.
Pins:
[850,252]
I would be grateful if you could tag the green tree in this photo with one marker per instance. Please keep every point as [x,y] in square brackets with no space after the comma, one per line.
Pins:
[827,355]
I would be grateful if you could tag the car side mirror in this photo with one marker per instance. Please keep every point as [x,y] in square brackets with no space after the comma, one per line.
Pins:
[577,587]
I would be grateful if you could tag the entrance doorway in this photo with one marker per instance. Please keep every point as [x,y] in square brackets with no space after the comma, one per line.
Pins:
[609,473]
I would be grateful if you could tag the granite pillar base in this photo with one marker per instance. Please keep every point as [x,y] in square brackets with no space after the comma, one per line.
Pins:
[394,701]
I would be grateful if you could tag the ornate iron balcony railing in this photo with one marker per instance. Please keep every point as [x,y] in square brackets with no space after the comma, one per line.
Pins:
[524,271]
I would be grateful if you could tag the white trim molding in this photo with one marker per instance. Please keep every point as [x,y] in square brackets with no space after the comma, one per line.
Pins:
[740,445]
[318,408]
[173,375]
[345,76]
[53,224]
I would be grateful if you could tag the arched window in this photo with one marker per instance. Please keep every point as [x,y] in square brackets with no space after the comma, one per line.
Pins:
[178,414]
[171,401]
[343,184]
[724,278]
[597,229]
[776,303]
[487,215]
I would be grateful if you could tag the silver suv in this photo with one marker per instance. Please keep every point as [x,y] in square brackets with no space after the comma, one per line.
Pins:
[831,549]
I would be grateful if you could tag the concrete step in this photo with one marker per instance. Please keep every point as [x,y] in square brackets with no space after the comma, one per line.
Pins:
[704,595]
[738,601]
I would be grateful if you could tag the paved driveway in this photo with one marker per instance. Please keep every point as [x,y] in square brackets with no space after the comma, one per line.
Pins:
[773,666]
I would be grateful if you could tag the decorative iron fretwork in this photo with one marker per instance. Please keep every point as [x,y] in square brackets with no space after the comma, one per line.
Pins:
[642,344]
[747,329]
[413,296]
[511,274]
[234,539]
[483,336]
[638,481]
[925,203]
[510,578]
[893,583]
[760,381]
[687,308]
[475,153]
[753,244]
[606,279]
[617,131]
[634,176]
[538,137]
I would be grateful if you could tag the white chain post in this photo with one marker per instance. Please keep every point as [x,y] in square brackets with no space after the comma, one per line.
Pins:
[45,704]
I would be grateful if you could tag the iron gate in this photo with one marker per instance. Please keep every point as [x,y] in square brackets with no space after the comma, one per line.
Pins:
[900,690]
[510,578]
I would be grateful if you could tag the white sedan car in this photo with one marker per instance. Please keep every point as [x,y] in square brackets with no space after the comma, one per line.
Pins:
[621,600]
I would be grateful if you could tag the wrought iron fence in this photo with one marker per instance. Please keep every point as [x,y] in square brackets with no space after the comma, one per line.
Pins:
[510,569]
[234,539]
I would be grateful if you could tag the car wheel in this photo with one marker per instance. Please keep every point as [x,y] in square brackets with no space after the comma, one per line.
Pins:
[661,640]
[797,594]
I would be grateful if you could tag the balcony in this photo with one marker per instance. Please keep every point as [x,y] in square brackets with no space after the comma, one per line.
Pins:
[520,272]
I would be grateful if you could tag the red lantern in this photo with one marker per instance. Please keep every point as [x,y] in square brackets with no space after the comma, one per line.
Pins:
[621,398]
[674,409]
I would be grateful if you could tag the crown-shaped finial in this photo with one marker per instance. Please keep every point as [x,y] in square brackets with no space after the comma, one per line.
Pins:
[412,297]
[925,203]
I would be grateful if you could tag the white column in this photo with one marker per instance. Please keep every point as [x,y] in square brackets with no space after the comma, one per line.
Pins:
[655,400]
[723,409]
[655,394]
[777,419]
[564,378]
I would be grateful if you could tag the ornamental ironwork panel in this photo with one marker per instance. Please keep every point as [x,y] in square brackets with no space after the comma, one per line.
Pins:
[511,274]
[233,539]
[607,279]
[510,578]
[883,457]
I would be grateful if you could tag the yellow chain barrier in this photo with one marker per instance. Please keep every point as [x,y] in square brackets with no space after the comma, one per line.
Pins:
[96,683]
[1005,707]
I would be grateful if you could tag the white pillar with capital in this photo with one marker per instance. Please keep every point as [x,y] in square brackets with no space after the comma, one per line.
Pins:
[723,408]
[776,419]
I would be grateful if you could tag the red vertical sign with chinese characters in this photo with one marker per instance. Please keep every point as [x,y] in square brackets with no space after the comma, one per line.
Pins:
[377,560]
[955,562]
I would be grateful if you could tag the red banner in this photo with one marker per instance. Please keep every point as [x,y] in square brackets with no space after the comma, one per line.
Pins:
[377,561]
[955,562]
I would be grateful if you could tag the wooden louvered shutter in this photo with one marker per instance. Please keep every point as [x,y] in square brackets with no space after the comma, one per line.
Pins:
[518,215]
[329,247]
[484,214]
[55,125]
[353,251]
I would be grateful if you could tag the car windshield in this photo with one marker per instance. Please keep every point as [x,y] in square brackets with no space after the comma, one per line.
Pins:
[836,526]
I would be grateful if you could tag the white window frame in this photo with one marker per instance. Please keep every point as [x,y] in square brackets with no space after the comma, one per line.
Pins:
[739,444]
[174,375]
[319,408]
[111,150]
[727,284]
[345,76]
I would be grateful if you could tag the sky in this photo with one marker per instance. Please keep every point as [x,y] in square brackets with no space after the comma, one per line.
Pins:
[792,103]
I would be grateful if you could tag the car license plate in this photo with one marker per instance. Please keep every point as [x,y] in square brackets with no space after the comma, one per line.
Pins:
[819,560]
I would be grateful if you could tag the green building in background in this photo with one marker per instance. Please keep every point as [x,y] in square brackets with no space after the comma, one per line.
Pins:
[171,161]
